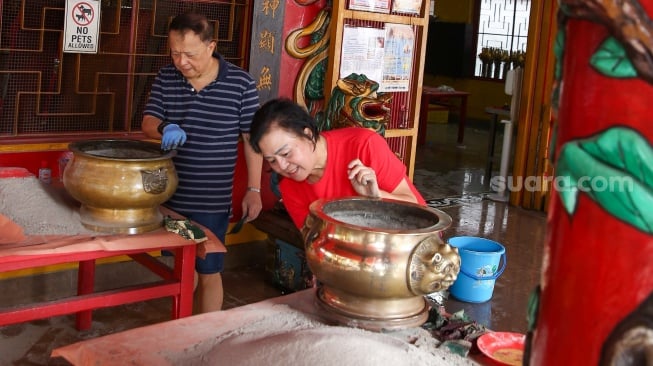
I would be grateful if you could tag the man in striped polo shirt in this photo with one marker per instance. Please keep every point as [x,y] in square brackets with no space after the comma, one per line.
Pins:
[200,105]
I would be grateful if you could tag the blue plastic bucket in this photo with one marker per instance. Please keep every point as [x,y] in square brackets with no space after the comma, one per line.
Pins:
[480,261]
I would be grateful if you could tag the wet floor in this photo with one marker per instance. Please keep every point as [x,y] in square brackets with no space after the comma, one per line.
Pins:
[451,178]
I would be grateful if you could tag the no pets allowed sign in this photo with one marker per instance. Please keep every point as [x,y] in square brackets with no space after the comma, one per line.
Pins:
[82,26]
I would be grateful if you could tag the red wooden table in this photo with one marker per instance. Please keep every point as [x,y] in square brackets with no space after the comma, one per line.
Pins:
[434,95]
[176,282]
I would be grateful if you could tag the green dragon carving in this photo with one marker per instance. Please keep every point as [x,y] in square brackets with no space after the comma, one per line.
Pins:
[355,102]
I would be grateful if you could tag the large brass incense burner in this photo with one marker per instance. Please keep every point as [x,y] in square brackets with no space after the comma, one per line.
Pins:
[374,259]
[120,184]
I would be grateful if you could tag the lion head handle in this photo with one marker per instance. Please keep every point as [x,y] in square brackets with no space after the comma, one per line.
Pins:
[355,103]
[434,266]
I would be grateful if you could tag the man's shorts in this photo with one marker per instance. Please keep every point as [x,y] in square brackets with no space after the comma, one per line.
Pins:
[218,224]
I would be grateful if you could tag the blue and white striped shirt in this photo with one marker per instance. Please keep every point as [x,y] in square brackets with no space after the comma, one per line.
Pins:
[213,120]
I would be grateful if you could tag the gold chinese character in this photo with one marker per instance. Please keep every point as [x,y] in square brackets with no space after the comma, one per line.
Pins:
[270,6]
[266,41]
[265,79]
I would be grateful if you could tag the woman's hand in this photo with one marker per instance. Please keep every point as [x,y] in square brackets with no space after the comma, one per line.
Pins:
[363,179]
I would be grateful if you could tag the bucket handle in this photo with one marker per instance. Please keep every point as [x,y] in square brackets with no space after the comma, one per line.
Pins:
[493,277]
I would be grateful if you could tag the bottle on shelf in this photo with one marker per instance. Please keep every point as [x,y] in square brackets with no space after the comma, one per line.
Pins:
[45,173]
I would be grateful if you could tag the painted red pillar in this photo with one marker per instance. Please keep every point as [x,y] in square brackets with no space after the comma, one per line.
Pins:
[595,302]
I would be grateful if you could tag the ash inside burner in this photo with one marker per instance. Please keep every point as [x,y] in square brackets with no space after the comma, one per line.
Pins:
[386,221]
[381,214]
[123,153]
[124,149]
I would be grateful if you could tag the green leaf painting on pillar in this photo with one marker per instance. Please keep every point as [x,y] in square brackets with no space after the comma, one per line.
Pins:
[611,60]
[614,169]
[558,51]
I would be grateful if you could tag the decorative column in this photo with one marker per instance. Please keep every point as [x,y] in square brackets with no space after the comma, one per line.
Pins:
[594,304]
[266,48]
[284,41]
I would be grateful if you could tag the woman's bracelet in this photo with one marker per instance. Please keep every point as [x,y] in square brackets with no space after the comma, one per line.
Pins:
[254,189]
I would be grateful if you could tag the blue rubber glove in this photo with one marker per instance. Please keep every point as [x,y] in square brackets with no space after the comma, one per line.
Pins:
[173,136]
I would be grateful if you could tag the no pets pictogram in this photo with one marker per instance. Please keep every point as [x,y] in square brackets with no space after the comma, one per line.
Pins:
[83,14]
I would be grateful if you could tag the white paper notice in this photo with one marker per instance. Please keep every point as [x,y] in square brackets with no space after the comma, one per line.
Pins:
[398,58]
[362,52]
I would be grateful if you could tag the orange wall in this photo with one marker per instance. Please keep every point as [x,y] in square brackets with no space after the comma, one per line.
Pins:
[484,93]
[458,11]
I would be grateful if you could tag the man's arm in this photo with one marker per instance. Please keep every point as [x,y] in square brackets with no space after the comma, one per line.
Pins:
[150,125]
[252,203]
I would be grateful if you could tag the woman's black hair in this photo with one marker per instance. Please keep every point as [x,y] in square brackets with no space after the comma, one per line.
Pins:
[284,113]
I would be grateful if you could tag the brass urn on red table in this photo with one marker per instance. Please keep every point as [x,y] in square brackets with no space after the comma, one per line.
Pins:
[120,184]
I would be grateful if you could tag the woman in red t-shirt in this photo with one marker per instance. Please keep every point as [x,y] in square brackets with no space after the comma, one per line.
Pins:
[351,161]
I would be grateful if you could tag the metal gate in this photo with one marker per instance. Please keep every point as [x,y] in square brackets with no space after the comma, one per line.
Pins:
[48,94]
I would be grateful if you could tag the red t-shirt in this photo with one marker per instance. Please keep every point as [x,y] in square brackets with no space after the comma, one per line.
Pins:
[343,146]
